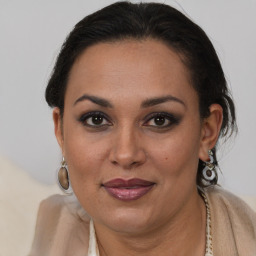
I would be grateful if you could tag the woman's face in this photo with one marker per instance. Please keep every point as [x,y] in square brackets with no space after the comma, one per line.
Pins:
[131,134]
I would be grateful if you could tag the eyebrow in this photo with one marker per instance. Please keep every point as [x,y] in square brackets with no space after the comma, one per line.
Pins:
[158,100]
[97,100]
[145,104]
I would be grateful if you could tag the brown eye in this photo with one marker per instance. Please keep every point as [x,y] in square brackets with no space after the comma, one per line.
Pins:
[161,120]
[94,119]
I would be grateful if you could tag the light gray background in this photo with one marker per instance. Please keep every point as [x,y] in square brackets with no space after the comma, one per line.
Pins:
[31,33]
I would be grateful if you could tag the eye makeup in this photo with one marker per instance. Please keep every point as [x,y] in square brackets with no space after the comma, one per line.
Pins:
[95,119]
[98,120]
[161,120]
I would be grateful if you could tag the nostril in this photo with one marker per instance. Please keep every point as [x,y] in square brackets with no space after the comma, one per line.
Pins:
[114,162]
[134,163]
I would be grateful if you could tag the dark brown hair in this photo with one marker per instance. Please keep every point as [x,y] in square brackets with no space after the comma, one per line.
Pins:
[125,20]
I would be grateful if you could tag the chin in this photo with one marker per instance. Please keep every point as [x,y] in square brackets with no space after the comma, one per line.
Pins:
[130,221]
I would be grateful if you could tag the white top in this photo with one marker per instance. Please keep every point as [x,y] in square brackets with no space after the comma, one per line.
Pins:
[93,246]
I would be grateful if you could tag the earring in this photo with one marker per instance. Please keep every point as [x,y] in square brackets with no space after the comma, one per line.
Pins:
[209,172]
[63,178]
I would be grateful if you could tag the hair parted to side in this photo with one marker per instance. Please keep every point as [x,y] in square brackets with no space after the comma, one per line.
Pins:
[140,21]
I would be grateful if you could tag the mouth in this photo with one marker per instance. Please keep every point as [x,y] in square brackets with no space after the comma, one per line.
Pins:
[128,190]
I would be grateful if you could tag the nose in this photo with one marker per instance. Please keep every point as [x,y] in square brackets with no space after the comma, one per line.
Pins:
[126,149]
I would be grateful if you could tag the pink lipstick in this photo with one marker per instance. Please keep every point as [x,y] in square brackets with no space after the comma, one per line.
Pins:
[127,190]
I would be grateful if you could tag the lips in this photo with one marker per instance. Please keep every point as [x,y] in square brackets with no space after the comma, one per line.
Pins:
[127,190]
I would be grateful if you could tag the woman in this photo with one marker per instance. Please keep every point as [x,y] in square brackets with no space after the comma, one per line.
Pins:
[140,101]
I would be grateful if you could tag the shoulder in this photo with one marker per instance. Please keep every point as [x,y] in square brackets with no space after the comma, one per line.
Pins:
[58,205]
[232,204]
[62,225]
[233,223]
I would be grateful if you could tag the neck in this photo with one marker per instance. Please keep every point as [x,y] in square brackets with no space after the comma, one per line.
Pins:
[184,234]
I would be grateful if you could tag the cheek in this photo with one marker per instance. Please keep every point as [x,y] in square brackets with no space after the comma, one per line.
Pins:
[84,156]
[86,159]
[84,163]
[176,154]
[81,147]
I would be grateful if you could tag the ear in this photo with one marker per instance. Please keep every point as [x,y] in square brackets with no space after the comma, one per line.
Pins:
[58,127]
[210,131]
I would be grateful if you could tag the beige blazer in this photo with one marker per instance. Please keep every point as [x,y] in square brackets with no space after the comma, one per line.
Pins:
[63,226]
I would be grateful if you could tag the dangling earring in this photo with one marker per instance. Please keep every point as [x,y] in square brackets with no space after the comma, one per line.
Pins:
[63,178]
[209,172]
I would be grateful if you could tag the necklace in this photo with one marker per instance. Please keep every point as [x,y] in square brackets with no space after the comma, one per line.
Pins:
[208,246]
[93,245]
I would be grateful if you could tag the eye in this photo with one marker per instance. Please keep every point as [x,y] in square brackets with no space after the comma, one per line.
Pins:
[161,120]
[95,119]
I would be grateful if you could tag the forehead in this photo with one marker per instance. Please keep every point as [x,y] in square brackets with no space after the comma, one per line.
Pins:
[147,68]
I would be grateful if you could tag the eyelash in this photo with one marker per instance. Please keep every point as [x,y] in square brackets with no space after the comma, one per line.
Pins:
[172,120]
[85,117]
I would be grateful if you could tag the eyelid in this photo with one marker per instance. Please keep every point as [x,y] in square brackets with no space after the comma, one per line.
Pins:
[172,118]
[86,116]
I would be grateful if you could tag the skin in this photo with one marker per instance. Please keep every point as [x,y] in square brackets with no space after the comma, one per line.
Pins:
[170,219]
